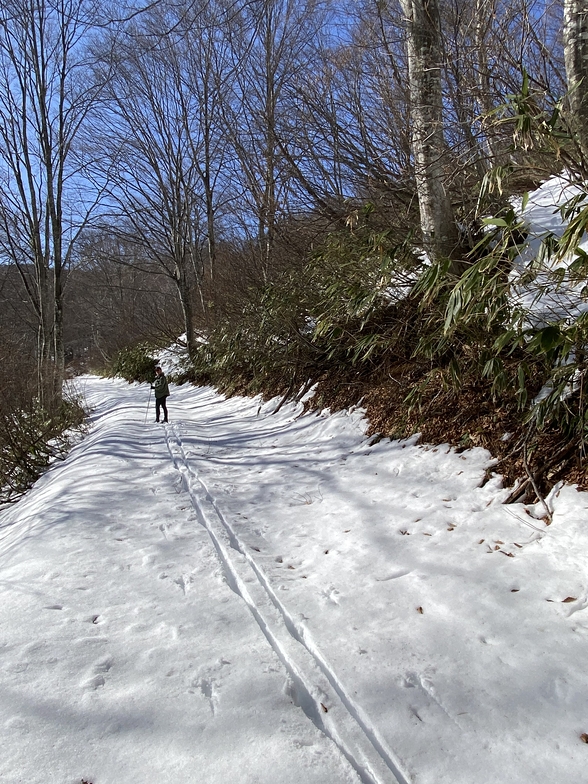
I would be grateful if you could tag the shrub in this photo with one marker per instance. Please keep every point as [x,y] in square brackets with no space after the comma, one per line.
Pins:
[134,363]
[342,309]
[30,439]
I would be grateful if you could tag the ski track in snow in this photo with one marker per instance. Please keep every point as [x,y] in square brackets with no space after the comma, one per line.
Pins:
[70,691]
[185,602]
[315,687]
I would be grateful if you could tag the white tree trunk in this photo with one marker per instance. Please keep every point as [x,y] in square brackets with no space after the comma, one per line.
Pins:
[428,144]
[575,37]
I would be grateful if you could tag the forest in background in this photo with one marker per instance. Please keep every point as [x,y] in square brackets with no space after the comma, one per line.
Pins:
[311,194]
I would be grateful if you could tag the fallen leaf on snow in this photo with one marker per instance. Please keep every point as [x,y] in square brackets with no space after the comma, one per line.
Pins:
[569,599]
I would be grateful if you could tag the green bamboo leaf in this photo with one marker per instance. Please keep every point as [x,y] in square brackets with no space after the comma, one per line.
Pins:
[494,222]
[549,338]
[525,201]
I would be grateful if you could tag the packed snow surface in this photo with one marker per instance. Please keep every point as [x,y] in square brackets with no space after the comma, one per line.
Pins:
[242,596]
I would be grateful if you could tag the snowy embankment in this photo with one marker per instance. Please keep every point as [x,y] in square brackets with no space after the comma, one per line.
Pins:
[242,597]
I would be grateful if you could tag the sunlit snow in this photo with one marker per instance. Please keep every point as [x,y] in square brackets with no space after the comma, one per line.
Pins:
[242,596]
[544,299]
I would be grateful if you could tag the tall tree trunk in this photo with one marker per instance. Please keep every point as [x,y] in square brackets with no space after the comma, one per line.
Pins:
[45,383]
[575,38]
[438,225]
[185,297]
[58,348]
[485,10]
[210,226]
[268,213]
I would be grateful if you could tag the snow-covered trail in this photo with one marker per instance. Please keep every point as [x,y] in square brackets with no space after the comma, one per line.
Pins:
[247,597]
[124,656]
[312,683]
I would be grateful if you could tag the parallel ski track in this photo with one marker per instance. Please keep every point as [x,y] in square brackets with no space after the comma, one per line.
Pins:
[314,685]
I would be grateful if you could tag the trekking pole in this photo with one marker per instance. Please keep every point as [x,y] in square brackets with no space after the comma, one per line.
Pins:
[148,404]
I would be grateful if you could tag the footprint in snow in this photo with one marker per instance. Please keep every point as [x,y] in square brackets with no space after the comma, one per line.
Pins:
[206,686]
[104,665]
[94,683]
[331,595]
[207,689]
[97,677]
[184,582]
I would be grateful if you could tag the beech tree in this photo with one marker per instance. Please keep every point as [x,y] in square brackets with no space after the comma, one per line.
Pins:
[425,64]
[575,37]
[272,44]
[152,140]
[346,136]
[44,99]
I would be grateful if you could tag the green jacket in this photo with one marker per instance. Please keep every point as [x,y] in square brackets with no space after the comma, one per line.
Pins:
[160,386]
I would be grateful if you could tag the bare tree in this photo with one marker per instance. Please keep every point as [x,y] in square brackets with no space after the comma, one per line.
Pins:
[345,135]
[44,100]
[207,74]
[112,303]
[153,140]
[271,43]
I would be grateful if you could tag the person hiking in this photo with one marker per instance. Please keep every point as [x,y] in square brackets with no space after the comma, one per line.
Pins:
[161,388]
